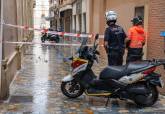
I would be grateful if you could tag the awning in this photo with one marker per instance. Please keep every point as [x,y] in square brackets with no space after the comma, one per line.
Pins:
[67,7]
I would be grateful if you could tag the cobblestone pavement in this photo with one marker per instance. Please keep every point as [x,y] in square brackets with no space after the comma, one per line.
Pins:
[36,89]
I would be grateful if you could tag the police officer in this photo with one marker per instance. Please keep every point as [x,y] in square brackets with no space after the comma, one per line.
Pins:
[114,40]
[136,40]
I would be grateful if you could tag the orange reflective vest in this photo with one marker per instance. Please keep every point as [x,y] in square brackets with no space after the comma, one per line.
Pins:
[137,36]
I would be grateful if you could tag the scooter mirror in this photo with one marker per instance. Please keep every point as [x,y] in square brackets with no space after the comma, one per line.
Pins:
[67,59]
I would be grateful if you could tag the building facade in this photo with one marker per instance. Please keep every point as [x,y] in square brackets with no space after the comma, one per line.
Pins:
[53,14]
[61,15]
[16,12]
[61,11]
[65,14]
[89,15]
[156,43]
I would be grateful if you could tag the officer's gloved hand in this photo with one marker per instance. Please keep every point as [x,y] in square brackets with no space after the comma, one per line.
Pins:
[106,49]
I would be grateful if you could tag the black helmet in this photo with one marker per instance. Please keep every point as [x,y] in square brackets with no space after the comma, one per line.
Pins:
[137,20]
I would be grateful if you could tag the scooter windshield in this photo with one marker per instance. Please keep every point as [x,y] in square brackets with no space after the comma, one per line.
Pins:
[84,41]
[82,47]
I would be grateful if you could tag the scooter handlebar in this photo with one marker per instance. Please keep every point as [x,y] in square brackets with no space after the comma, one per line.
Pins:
[158,62]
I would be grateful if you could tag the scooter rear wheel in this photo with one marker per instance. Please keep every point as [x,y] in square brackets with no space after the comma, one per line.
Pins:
[147,100]
[72,89]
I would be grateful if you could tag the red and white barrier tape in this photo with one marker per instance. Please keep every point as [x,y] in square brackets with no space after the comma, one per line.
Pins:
[47,44]
[53,32]
[24,27]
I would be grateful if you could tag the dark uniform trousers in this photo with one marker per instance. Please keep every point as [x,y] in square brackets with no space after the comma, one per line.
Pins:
[134,54]
[115,57]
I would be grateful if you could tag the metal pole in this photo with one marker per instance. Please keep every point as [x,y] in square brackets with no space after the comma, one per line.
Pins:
[1,43]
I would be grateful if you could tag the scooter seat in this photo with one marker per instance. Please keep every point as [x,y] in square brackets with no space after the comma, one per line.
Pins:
[116,72]
[113,72]
[133,66]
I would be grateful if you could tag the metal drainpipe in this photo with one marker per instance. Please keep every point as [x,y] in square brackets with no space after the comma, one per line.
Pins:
[1,44]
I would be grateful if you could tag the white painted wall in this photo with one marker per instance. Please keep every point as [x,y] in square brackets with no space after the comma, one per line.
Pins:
[87,16]
[84,10]
[84,6]
[73,19]
[74,9]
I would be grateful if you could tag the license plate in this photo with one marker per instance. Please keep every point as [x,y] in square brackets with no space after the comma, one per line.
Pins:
[162,83]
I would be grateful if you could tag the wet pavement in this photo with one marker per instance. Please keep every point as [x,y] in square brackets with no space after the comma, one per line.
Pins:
[36,88]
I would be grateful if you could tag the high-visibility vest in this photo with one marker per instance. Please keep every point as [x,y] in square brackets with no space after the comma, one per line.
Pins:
[137,37]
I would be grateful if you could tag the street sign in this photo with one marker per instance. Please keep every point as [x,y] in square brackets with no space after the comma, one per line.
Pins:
[162,34]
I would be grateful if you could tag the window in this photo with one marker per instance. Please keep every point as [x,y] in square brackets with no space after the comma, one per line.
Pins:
[84,18]
[139,11]
[75,23]
[80,23]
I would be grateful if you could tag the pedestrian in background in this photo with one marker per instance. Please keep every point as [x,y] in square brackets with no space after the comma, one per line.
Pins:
[136,40]
[114,40]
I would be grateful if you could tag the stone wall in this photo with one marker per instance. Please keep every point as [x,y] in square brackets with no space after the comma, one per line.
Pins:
[17,12]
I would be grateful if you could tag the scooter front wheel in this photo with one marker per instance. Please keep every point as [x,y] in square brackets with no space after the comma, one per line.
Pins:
[72,89]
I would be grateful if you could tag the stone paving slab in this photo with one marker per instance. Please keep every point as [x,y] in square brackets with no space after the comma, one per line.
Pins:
[40,78]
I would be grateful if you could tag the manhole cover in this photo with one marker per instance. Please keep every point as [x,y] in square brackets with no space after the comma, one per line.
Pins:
[21,99]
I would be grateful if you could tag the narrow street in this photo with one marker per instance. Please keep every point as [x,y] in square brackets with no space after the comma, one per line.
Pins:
[33,73]
[36,88]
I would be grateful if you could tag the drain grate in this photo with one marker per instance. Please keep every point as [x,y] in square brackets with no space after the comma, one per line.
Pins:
[21,99]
